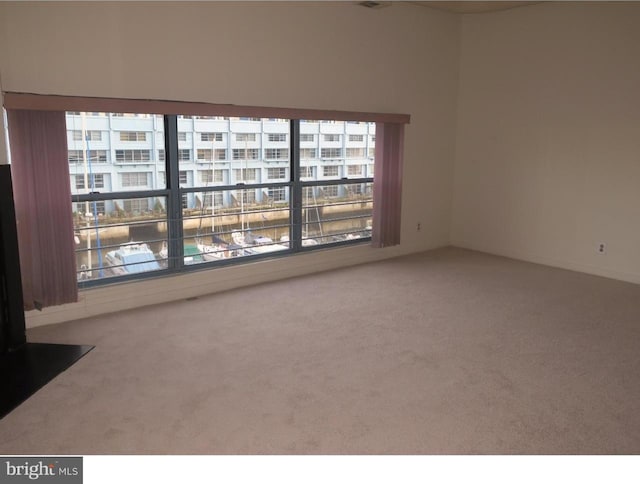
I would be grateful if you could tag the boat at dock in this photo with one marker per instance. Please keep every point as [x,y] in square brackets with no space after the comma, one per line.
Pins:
[256,244]
[131,258]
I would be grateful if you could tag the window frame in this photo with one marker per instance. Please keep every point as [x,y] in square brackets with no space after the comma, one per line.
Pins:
[174,194]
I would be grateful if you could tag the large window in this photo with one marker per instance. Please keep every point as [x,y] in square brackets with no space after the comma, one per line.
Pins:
[252,196]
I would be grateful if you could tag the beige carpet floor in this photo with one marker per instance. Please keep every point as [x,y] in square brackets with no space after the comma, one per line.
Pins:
[449,351]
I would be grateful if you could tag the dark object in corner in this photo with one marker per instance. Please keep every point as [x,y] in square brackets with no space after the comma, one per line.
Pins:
[28,368]
[24,367]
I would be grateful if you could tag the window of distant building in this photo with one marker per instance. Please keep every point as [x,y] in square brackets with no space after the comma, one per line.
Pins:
[276,173]
[331,153]
[135,179]
[330,171]
[83,182]
[276,153]
[246,174]
[133,136]
[277,137]
[133,156]
[245,137]
[210,136]
[354,170]
[184,155]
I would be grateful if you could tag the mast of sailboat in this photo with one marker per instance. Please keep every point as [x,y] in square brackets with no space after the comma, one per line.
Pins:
[92,189]
[213,178]
[242,192]
[86,184]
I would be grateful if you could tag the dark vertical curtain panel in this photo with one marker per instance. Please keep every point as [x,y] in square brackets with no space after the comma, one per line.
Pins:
[40,170]
[387,185]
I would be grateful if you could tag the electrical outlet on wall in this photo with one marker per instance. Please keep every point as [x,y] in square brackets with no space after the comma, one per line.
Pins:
[418,227]
[601,248]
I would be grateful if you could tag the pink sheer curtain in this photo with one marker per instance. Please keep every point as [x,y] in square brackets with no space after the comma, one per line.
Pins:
[387,185]
[40,169]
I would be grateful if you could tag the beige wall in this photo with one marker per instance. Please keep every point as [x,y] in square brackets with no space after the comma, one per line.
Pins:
[316,55]
[548,141]
[547,147]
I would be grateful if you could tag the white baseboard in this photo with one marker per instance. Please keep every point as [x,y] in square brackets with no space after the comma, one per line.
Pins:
[550,261]
[118,297]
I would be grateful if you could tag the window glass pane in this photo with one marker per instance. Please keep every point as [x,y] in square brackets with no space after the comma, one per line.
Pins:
[336,213]
[119,237]
[228,151]
[111,153]
[226,224]
[333,149]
